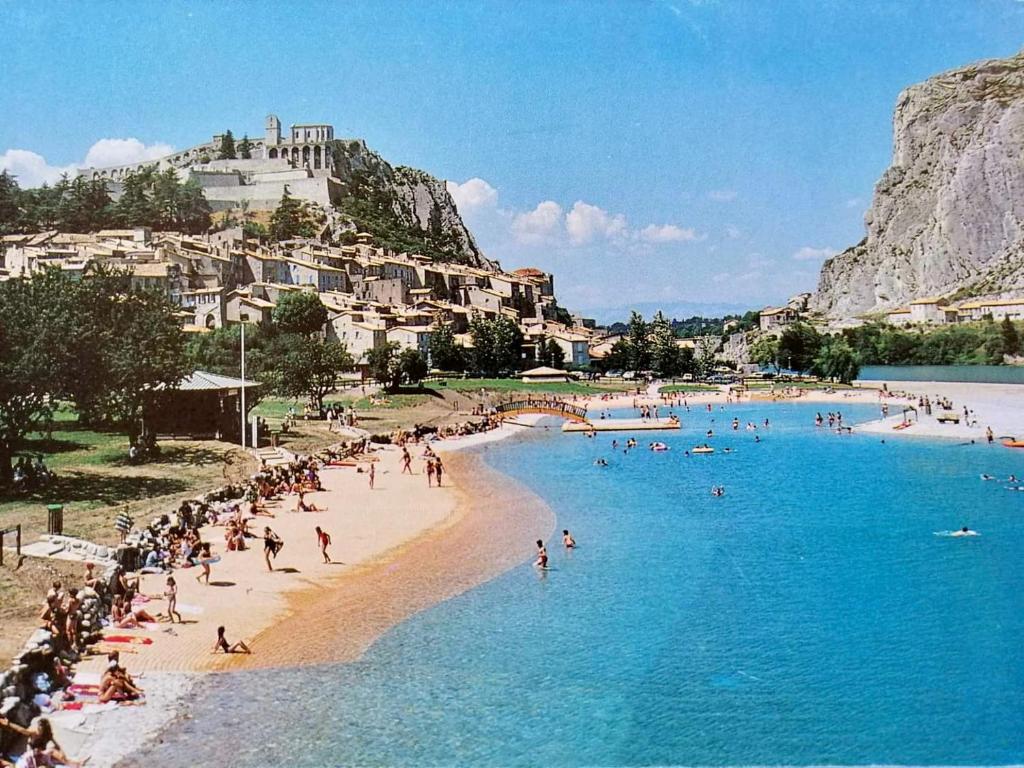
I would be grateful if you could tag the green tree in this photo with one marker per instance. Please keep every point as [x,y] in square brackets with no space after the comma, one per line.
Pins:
[300,312]
[310,368]
[290,219]
[637,336]
[227,147]
[413,365]
[554,355]
[1011,338]
[836,360]
[245,148]
[705,357]
[665,358]
[10,203]
[497,345]
[798,346]
[765,352]
[445,353]
[618,357]
[385,366]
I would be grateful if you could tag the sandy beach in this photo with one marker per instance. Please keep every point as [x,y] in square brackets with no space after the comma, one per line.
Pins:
[399,549]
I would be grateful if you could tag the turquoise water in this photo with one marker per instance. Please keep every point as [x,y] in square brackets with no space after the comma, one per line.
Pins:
[974,374]
[809,616]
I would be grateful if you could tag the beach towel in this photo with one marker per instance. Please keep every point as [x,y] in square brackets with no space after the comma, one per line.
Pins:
[127,639]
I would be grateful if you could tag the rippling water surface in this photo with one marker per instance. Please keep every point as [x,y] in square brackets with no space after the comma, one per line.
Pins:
[809,616]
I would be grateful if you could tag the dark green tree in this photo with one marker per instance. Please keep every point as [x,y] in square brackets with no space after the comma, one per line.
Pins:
[412,365]
[445,353]
[665,358]
[554,355]
[497,345]
[290,219]
[765,352]
[385,366]
[638,338]
[245,148]
[798,346]
[311,367]
[227,147]
[300,312]
[1011,338]
[836,360]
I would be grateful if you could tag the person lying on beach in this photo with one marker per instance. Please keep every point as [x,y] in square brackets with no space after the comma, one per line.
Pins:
[568,540]
[116,684]
[302,506]
[223,645]
[323,539]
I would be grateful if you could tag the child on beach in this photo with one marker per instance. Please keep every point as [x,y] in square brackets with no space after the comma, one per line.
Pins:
[430,472]
[171,593]
[542,555]
[204,563]
[567,539]
[324,540]
[223,645]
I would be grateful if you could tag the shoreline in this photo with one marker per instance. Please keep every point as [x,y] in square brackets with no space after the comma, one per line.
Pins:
[339,617]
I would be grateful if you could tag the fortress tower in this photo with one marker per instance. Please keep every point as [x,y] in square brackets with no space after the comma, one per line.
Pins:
[273,131]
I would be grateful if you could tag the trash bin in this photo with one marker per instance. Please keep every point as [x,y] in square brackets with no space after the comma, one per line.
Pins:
[55,519]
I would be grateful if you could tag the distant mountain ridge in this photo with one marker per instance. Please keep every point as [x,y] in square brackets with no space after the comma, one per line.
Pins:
[947,218]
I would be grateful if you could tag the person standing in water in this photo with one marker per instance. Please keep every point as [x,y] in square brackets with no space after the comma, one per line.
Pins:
[568,540]
[542,555]
[323,539]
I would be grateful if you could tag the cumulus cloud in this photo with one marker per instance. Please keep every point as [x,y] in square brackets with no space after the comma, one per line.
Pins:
[473,193]
[807,253]
[32,169]
[107,152]
[585,222]
[666,233]
[537,225]
[722,195]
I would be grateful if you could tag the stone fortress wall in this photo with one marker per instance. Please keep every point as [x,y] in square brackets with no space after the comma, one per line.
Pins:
[302,161]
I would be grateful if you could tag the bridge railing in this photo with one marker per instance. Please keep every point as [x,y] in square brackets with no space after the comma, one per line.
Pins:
[550,407]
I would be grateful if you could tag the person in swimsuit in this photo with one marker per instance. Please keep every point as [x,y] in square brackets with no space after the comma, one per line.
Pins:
[171,593]
[542,555]
[438,470]
[567,539]
[272,544]
[204,563]
[323,538]
[373,474]
[406,461]
[223,645]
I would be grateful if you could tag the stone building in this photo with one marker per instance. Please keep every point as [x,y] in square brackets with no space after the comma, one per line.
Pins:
[307,145]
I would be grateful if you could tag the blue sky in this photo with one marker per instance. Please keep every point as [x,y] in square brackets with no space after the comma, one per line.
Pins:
[677,154]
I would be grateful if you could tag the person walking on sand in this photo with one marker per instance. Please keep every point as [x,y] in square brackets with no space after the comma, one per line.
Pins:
[171,593]
[372,473]
[430,472]
[323,538]
[438,470]
[406,461]
[204,563]
[223,645]
[988,435]
[272,544]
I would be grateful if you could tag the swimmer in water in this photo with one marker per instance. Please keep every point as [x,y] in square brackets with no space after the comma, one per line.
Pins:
[987,477]
[600,463]
[542,555]
[757,438]
[965,531]
[568,540]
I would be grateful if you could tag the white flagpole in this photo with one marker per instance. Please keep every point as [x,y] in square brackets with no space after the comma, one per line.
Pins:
[243,386]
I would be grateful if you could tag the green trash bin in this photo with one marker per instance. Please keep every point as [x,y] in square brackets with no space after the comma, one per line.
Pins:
[55,519]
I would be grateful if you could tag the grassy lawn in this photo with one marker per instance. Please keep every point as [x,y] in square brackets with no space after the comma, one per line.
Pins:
[767,385]
[515,385]
[672,388]
[94,478]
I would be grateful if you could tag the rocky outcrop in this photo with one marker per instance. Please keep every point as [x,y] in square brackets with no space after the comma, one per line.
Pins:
[404,208]
[947,217]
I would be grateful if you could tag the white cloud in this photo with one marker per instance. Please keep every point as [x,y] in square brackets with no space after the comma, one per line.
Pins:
[807,253]
[32,170]
[585,222]
[722,195]
[539,224]
[666,233]
[732,233]
[107,152]
[473,193]
[854,202]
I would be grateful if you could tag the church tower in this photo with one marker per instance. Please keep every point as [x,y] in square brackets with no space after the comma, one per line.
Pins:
[273,131]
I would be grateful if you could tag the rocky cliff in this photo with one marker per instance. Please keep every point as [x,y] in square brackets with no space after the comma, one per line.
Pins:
[947,217]
[404,208]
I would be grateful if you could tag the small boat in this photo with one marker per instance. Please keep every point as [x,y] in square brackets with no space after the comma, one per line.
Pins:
[703,449]
[1014,443]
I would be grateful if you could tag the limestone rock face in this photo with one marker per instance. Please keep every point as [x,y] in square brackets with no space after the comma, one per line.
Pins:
[948,215]
[402,206]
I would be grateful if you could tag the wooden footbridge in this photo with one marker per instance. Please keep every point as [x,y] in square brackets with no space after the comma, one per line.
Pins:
[557,408]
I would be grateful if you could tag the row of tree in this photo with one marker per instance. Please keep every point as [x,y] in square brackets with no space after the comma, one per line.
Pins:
[94,342]
[653,346]
[150,198]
